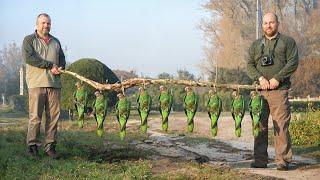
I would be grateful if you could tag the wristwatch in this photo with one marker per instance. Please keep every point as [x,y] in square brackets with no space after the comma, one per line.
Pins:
[261,78]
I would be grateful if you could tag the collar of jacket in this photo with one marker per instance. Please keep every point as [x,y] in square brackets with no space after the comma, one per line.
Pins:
[36,34]
[274,37]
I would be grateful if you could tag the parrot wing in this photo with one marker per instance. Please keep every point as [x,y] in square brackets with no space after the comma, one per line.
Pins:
[85,98]
[208,108]
[232,109]
[117,111]
[75,101]
[105,109]
[250,109]
[160,104]
[138,99]
[261,105]
[128,108]
[185,105]
[170,102]
[220,107]
[243,107]
[94,110]
[149,103]
[196,103]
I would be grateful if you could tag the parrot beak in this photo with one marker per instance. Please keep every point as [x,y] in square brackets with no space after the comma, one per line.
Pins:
[253,94]
[234,94]
[120,95]
[97,93]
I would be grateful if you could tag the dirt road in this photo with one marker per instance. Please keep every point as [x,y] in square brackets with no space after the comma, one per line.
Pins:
[225,149]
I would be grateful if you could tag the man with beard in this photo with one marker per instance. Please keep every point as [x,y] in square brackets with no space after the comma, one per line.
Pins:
[44,58]
[272,59]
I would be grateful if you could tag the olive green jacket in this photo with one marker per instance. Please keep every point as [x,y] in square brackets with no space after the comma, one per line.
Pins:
[285,59]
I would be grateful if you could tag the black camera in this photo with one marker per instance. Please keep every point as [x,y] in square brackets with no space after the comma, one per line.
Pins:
[266,61]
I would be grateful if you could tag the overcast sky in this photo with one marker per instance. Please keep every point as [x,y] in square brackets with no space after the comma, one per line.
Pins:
[149,36]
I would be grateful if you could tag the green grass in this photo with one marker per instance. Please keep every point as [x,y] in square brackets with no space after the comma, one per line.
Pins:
[86,156]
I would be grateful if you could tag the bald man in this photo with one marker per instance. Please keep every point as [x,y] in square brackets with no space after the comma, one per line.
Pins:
[272,59]
[44,58]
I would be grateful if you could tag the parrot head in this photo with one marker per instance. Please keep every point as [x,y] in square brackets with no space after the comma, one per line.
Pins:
[253,94]
[212,92]
[141,90]
[79,84]
[188,89]
[162,88]
[235,95]
[97,93]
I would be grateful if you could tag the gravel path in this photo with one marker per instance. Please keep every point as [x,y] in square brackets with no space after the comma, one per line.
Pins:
[224,149]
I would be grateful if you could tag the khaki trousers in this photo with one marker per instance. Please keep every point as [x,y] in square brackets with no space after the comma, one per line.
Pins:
[277,104]
[40,99]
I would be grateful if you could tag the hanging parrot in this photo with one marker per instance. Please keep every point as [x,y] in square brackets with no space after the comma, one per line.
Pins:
[122,112]
[80,102]
[100,107]
[190,107]
[237,111]
[144,102]
[165,104]
[256,109]
[214,107]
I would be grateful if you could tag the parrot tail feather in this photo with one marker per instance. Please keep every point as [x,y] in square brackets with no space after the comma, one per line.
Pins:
[122,135]
[190,127]
[100,132]
[256,132]
[80,123]
[214,131]
[143,128]
[165,125]
[238,132]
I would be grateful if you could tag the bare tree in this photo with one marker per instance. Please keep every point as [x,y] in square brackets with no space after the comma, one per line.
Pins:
[11,60]
[230,30]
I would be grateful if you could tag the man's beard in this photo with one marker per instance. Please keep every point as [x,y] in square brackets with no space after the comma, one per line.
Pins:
[46,31]
[272,33]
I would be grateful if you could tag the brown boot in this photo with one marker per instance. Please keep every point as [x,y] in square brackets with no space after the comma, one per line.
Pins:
[52,153]
[33,151]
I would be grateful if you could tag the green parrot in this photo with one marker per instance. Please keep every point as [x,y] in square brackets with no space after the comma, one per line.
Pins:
[214,107]
[237,111]
[256,109]
[144,102]
[190,107]
[80,102]
[165,104]
[100,108]
[123,107]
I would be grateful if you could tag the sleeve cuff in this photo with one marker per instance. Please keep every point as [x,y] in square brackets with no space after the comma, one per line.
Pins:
[278,78]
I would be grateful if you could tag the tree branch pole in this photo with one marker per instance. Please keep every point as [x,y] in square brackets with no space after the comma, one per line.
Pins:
[140,81]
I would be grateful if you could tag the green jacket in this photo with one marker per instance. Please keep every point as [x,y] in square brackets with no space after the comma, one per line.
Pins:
[285,59]
[40,58]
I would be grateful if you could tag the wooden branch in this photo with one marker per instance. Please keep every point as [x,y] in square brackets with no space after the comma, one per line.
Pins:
[140,81]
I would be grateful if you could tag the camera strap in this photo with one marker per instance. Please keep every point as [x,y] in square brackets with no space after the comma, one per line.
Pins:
[262,45]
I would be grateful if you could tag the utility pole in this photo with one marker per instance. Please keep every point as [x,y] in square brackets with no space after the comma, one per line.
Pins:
[258,19]
[21,81]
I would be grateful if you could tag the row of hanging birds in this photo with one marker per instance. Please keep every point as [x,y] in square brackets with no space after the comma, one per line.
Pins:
[144,101]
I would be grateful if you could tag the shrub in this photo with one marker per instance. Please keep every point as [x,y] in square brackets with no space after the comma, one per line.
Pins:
[20,103]
[306,131]
[91,69]
[304,106]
